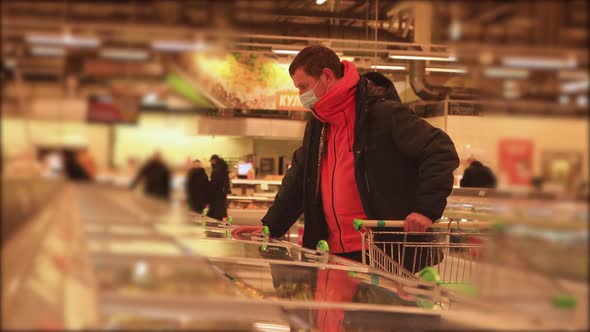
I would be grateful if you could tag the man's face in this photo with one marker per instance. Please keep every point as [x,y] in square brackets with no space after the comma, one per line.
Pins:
[212,161]
[304,82]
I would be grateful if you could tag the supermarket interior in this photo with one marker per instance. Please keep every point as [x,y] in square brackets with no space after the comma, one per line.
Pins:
[148,155]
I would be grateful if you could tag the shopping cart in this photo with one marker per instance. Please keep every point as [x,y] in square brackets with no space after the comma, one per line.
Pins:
[448,253]
[481,260]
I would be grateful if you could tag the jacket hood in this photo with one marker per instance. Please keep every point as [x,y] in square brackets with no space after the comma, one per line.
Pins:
[377,86]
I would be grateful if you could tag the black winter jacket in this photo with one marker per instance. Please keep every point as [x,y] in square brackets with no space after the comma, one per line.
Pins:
[402,165]
[478,176]
[157,179]
[218,190]
[197,189]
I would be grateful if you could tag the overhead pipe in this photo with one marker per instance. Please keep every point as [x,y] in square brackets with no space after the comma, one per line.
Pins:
[420,85]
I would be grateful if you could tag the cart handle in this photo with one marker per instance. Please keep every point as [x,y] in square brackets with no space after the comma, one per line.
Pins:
[358,223]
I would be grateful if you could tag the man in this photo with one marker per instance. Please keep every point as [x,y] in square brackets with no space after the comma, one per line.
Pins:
[364,155]
[478,176]
[156,175]
[219,188]
[196,187]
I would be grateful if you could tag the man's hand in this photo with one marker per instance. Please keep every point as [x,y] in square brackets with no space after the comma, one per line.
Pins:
[246,232]
[415,222]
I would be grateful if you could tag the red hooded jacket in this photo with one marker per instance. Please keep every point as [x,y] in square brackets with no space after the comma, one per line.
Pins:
[340,196]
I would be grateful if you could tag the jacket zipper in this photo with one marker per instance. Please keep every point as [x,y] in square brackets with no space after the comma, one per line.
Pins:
[319,165]
[333,201]
[347,132]
[365,110]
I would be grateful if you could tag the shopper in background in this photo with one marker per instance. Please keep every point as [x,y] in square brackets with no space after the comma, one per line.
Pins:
[197,187]
[74,166]
[364,155]
[156,177]
[478,176]
[219,188]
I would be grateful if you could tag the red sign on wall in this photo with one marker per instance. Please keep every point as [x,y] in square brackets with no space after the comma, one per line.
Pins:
[515,159]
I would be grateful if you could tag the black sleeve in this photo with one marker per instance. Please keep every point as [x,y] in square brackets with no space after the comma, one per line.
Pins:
[435,155]
[217,180]
[288,203]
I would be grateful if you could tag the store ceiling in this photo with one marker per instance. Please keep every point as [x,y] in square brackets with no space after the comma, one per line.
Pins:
[368,30]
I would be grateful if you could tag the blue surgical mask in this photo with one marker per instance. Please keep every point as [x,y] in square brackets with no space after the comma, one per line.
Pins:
[309,98]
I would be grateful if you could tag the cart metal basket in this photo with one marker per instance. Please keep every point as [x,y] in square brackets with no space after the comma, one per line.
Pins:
[451,248]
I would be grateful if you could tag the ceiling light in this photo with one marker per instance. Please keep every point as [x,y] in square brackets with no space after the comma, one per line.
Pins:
[422,57]
[384,67]
[48,51]
[320,2]
[539,63]
[499,72]
[67,40]
[123,54]
[177,46]
[447,70]
[575,86]
[564,100]
[285,51]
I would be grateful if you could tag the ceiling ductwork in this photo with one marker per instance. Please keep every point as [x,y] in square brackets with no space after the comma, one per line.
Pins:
[420,85]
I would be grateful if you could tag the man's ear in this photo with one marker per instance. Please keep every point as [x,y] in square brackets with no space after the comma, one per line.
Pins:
[330,78]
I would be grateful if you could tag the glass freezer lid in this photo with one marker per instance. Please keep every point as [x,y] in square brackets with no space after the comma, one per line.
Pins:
[361,320]
[316,283]
[133,276]
[265,315]
[130,245]
[255,250]
[118,229]
[191,230]
[202,314]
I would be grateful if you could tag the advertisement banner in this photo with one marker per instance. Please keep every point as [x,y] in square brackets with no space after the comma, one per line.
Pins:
[243,81]
[515,157]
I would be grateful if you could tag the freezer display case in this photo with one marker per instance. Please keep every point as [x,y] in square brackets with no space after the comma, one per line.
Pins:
[92,229]
[261,315]
[257,250]
[154,231]
[165,292]
[133,245]
[132,275]
[197,315]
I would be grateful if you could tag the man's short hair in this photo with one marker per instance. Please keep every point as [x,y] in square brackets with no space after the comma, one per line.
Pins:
[313,59]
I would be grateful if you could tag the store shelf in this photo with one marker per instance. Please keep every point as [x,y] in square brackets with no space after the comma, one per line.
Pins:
[251,198]
[255,182]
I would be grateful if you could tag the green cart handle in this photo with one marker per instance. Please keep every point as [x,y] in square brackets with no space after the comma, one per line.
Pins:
[358,223]
[265,230]
[565,302]
[323,246]
[430,274]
